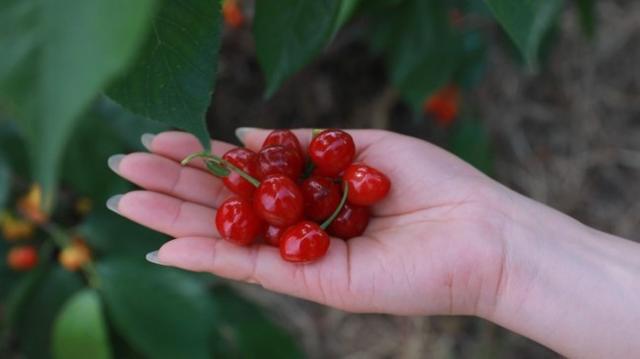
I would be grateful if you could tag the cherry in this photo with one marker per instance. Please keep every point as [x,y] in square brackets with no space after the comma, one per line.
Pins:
[321,197]
[304,242]
[22,258]
[367,185]
[284,138]
[247,161]
[237,222]
[279,201]
[272,235]
[350,222]
[331,151]
[279,160]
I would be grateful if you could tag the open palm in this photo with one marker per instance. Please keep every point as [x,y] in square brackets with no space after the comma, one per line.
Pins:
[433,246]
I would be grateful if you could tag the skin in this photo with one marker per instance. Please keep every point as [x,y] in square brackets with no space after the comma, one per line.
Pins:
[447,240]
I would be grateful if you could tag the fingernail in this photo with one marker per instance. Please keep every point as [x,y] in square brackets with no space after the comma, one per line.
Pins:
[147,139]
[112,203]
[114,162]
[241,132]
[153,258]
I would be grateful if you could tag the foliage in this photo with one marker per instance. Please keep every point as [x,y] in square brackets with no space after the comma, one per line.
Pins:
[83,79]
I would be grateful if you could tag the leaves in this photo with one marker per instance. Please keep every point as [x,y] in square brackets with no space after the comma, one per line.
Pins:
[84,162]
[173,78]
[57,61]
[289,33]
[526,22]
[587,15]
[248,332]
[5,181]
[161,312]
[128,126]
[347,8]
[470,141]
[80,331]
[421,49]
[36,321]
[110,234]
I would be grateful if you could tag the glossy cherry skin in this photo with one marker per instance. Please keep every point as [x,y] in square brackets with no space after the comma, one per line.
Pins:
[350,222]
[272,235]
[279,160]
[321,197]
[304,242]
[367,185]
[279,201]
[284,138]
[237,221]
[332,151]
[247,161]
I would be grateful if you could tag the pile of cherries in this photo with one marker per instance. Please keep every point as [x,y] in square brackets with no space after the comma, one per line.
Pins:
[290,204]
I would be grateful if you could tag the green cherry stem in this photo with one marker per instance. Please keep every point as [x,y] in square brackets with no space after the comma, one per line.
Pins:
[345,192]
[316,131]
[221,162]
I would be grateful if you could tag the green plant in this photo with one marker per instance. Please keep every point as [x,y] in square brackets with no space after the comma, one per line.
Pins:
[82,79]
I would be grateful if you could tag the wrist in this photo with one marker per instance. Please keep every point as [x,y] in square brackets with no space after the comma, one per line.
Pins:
[563,284]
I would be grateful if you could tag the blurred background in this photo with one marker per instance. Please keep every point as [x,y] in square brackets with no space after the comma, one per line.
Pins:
[565,131]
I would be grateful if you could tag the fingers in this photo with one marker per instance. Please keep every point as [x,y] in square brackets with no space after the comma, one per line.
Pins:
[178,145]
[254,137]
[325,281]
[166,214]
[163,175]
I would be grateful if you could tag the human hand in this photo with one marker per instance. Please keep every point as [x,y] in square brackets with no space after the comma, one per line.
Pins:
[433,246]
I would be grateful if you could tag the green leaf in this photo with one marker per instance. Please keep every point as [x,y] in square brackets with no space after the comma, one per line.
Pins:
[84,163]
[174,76]
[247,333]
[526,22]
[289,33]
[128,126]
[111,234]
[14,149]
[161,312]
[471,142]
[61,55]
[587,15]
[346,11]
[80,331]
[35,325]
[5,182]
[421,49]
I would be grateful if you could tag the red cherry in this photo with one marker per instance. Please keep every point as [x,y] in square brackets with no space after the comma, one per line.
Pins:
[332,151]
[237,222]
[303,242]
[22,258]
[284,138]
[272,235]
[367,185]
[247,161]
[278,201]
[321,197]
[350,222]
[279,160]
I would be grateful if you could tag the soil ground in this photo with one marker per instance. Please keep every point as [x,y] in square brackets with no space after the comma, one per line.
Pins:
[568,136]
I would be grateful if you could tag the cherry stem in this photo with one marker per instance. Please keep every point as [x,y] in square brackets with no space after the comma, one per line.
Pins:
[221,161]
[343,200]
[316,131]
